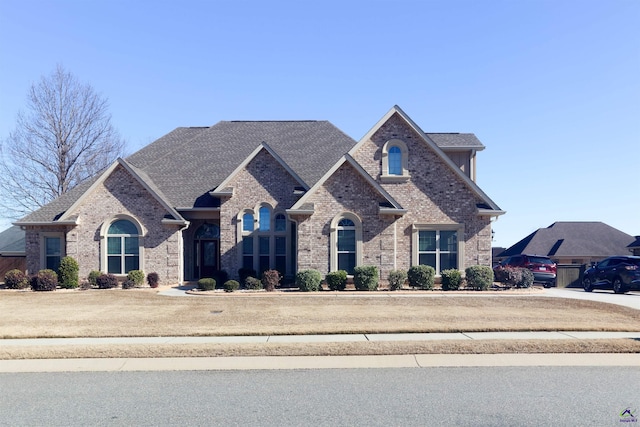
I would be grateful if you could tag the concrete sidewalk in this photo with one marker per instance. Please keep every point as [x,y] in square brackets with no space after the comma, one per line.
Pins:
[319,362]
[258,339]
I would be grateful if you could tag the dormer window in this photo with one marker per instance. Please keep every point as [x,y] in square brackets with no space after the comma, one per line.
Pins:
[395,161]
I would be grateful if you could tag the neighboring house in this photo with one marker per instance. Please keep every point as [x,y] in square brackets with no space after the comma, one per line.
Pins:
[12,254]
[634,246]
[573,242]
[285,195]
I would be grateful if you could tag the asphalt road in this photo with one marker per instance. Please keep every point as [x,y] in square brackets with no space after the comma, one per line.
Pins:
[489,396]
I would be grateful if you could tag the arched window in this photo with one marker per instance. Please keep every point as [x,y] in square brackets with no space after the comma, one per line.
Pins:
[395,161]
[346,242]
[266,246]
[122,247]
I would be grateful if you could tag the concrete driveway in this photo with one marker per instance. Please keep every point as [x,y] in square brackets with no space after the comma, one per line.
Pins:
[631,299]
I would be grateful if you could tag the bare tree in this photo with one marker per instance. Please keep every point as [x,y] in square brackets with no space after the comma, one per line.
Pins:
[65,137]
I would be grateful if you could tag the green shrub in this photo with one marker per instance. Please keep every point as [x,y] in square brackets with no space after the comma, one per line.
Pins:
[231,285]
[136,276]
[271,279]
[45,280]
[479,277]
[308,280]
[153,279]
[207,284]
[366,277]
[396,279]
[68,273]
[451,279]
[128,284]
[107,281]
[16,279]
[93,277]
[244,273]
[336,280]
[421,276]
[252,283]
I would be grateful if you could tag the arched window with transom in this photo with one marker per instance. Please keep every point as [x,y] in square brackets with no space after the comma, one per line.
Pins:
[122,249]
[265,243]
[346,242]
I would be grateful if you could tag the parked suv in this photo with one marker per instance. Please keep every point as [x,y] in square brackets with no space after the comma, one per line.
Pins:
[620,273]
[542,267]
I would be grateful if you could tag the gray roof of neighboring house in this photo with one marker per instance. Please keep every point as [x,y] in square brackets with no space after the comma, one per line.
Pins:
[635,243]
[456,140]
[573,239]
[12,241]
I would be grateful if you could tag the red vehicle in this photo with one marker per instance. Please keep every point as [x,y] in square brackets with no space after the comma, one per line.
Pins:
[542,267]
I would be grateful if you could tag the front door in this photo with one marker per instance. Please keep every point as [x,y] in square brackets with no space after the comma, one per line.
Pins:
[208,257]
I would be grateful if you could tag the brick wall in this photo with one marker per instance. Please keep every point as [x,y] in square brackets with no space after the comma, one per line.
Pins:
[263,180]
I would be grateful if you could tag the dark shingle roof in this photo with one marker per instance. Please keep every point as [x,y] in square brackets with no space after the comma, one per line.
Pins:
[12,241]
[456,140]
[189,162]
[573,239]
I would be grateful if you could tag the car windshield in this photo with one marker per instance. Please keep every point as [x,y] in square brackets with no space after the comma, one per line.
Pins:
[540,260]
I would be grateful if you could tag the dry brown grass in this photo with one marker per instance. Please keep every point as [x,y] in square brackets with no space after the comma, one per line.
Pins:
[111,313]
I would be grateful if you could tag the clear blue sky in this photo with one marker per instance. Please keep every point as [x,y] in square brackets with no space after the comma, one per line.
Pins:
[551,87]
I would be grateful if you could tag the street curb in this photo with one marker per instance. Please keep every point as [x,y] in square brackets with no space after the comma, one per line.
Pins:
[318,362]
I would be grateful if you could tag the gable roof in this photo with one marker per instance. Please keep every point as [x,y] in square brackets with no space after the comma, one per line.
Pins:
[12,242]
[635,243]
[573,239]
[456,141]
[200,160]
[488,207]
[390,207]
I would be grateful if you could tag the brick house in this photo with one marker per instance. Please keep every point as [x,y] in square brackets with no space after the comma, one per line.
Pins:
[285,195]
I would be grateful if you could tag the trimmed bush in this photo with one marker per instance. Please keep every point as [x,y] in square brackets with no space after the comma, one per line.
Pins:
[107,281]
[45,280]
[207,284]
[366,277]
[231,285]
[271,279]
[16,279]
[153,279]
[308,280]
[526,280]
[451,279]
[128,284]
[336,280]
[396,279]
[68,273]
[514,276]
[136,276]
[479,277]
[252,283]
[421,276]
[244,273]
[93,277]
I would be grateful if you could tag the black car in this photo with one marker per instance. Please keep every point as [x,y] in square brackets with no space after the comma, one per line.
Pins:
[620,273]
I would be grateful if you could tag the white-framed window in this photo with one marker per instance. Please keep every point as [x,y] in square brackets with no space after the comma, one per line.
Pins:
[440,246]
[122,243]
[264,241]
[395,161]
[52,250]
[346,242]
